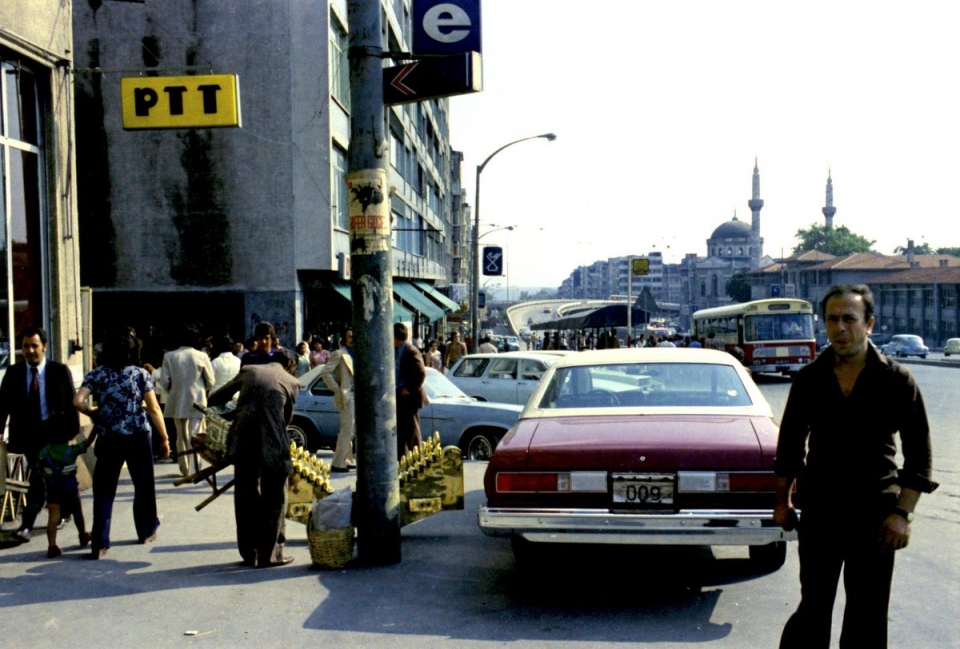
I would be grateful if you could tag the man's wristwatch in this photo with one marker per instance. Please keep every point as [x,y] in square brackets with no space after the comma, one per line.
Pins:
[903,513]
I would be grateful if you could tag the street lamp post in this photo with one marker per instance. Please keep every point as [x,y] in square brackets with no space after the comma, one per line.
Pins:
[475,297]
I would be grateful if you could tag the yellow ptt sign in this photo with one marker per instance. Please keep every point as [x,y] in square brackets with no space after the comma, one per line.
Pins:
[203,101]
[641,266]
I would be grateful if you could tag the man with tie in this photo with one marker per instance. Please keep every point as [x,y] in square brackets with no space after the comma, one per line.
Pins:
[37,397]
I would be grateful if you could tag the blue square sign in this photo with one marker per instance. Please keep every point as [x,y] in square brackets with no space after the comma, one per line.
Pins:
[492,260]
[450,27]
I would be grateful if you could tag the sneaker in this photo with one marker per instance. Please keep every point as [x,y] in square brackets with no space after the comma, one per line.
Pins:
[53,552]
[23,534]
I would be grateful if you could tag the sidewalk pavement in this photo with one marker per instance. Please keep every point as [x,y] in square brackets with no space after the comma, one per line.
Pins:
[189,584]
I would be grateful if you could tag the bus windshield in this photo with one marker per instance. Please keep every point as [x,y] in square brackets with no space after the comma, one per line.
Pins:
[781,326]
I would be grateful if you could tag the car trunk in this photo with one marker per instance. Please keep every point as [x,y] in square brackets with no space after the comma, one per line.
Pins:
[649,442]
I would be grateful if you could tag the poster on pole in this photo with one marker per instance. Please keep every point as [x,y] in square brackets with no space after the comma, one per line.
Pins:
[369,211]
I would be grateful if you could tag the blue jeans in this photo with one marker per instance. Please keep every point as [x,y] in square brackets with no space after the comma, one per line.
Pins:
[112,451]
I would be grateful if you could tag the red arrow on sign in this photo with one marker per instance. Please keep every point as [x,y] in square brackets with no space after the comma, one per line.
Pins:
[397,81]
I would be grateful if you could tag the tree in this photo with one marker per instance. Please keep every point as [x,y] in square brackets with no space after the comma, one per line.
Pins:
[738,287]
[949,251]
[835,241]
[922,249]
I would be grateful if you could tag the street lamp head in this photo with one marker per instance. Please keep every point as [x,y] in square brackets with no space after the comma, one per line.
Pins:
[549,136]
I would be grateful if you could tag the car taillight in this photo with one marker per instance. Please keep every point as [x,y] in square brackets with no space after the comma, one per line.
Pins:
[721,482]
[552,482]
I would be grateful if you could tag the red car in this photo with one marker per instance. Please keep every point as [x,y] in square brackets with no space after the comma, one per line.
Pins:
[640,446]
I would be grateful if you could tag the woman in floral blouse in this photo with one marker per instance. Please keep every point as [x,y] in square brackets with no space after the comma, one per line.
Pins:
[125,397]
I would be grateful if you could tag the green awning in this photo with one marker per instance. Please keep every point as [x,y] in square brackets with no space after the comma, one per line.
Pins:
[417,300]
[441,299]
[400,312]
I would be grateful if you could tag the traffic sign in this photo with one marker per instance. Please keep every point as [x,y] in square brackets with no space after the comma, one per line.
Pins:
[641,266]
[492,260]
[443,76]
[774,290]
[446,27]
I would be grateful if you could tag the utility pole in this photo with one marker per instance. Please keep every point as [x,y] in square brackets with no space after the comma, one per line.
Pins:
[377,505]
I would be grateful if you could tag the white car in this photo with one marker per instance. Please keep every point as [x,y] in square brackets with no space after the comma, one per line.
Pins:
[505,378]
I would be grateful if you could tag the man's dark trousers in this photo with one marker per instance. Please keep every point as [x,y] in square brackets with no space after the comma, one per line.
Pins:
[841,540]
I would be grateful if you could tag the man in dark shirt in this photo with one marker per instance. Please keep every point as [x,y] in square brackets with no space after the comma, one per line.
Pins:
[837,444]
[264,334]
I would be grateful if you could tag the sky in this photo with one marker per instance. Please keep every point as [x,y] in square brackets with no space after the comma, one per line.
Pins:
[660,109]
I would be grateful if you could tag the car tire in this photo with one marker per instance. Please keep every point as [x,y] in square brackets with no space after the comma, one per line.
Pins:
[770,557]
[478,445]
[301,434]
[923,356]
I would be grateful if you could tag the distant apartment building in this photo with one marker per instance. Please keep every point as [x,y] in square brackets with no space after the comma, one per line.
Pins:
[232,226]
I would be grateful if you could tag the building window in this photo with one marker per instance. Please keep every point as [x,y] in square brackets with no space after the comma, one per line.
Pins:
[22,259]
[341,199]
[949,297]
[339,64]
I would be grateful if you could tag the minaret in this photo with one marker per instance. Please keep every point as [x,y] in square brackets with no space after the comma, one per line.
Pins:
[755,204]
[829,210]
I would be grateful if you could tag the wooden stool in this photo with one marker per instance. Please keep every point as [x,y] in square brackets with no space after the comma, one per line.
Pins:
[18,482]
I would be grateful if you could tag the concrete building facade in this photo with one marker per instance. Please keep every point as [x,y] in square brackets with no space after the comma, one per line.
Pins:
[39,271]
[229,227]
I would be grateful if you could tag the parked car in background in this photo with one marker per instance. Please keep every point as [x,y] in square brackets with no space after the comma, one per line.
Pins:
[652,446]
[952,346]
[902,345]
[512,343]
[507,378]
[476,427]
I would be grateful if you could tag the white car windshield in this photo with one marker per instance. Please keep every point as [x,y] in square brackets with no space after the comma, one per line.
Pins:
[438,386]
[646,385]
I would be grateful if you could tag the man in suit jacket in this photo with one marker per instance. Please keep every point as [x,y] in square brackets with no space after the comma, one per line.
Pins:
[411,396]
[337,374]
[186,375]
[37,397]
[260,451]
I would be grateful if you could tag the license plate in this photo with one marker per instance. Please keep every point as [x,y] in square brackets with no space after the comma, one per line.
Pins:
[650,489]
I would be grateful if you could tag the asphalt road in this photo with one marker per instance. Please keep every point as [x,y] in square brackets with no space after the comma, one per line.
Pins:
[455,587]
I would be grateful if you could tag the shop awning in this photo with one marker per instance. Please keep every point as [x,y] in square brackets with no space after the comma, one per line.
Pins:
[400,312]
[417,300]
[434,294]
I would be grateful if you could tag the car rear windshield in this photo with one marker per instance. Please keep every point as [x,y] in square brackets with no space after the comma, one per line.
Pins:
[658,385]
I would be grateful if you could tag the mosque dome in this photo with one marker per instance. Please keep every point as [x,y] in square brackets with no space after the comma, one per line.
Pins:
[734,229]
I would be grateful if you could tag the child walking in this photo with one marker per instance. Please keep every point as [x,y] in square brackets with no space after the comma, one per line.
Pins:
[58,462]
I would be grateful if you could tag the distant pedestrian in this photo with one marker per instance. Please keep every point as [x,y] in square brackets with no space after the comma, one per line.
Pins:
[186,375]
[263,335]
[225,364]
[455,350]
[432,358]
[319,353]
[303,359]
[487,347]
[411,397]
[337,375]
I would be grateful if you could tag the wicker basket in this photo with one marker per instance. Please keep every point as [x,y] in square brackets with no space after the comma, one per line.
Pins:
[331,549]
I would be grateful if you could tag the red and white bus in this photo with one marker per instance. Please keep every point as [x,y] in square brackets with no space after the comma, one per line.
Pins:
[775,335]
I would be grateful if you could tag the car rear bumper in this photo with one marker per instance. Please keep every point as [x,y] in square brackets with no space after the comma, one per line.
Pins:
[686,527]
